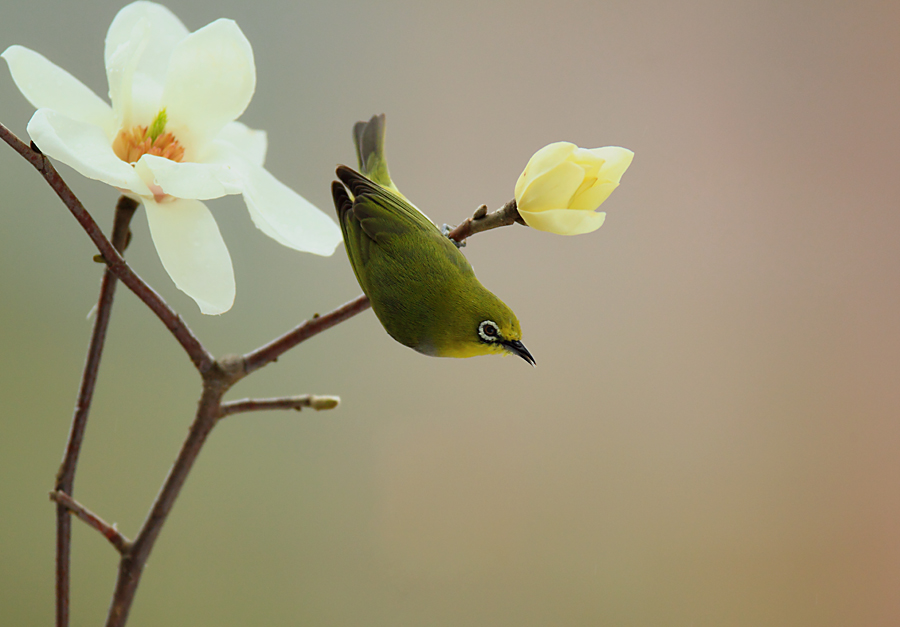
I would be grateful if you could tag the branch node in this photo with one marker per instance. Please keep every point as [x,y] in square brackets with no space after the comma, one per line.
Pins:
[110,532]
[232,366]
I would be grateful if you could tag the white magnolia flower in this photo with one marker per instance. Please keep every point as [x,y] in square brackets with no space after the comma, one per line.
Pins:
[170,139]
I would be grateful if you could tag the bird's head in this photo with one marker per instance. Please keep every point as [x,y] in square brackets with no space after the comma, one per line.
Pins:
[484,325]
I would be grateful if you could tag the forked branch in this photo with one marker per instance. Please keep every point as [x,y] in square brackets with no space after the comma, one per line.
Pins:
[120,542]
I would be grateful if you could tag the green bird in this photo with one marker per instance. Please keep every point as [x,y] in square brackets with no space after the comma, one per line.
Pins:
[422,288]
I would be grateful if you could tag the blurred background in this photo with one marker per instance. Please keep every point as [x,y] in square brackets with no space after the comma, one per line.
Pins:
[712,433]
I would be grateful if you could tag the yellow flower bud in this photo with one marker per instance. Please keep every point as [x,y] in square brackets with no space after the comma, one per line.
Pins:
[563,185]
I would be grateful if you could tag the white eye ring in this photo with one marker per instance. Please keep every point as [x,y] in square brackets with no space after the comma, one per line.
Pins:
[489,331]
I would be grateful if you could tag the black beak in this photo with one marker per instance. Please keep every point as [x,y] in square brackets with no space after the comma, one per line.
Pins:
[517,348]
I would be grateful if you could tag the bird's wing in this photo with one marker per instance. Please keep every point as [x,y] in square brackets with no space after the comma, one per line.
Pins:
[381,212]
[356,241]
[375,221]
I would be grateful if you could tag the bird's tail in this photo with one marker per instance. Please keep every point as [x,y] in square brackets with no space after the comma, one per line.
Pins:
[369,139]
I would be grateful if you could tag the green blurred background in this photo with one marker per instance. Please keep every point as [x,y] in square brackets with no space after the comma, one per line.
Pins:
[711,436]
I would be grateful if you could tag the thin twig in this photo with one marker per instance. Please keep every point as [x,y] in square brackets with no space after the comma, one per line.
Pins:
[273,350]
[65,478]
[482,221]
[201,358]
[285,402]
[109,532]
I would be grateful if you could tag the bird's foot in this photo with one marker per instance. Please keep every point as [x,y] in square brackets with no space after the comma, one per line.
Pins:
[445,231]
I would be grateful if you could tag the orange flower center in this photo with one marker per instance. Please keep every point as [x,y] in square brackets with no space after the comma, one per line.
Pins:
[131,144]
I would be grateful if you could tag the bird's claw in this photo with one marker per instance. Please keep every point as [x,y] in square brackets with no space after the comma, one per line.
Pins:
[445,231]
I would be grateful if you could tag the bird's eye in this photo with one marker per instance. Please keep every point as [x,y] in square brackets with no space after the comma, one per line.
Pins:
[489,331]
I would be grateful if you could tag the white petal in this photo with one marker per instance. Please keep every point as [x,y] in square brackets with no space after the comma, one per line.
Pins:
[210,82]
[163,32]
[134,93]
[48,86]
[287,217]
[192,252]
[85,148]
[250,143]
[200,181]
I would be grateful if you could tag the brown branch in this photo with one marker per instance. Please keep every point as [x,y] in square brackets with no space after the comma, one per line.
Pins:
[274,349]
[481,220]
[286,402]
[112,534]
[65,477]
[195,350]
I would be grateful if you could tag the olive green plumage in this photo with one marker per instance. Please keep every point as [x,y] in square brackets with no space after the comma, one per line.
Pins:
[422,288]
